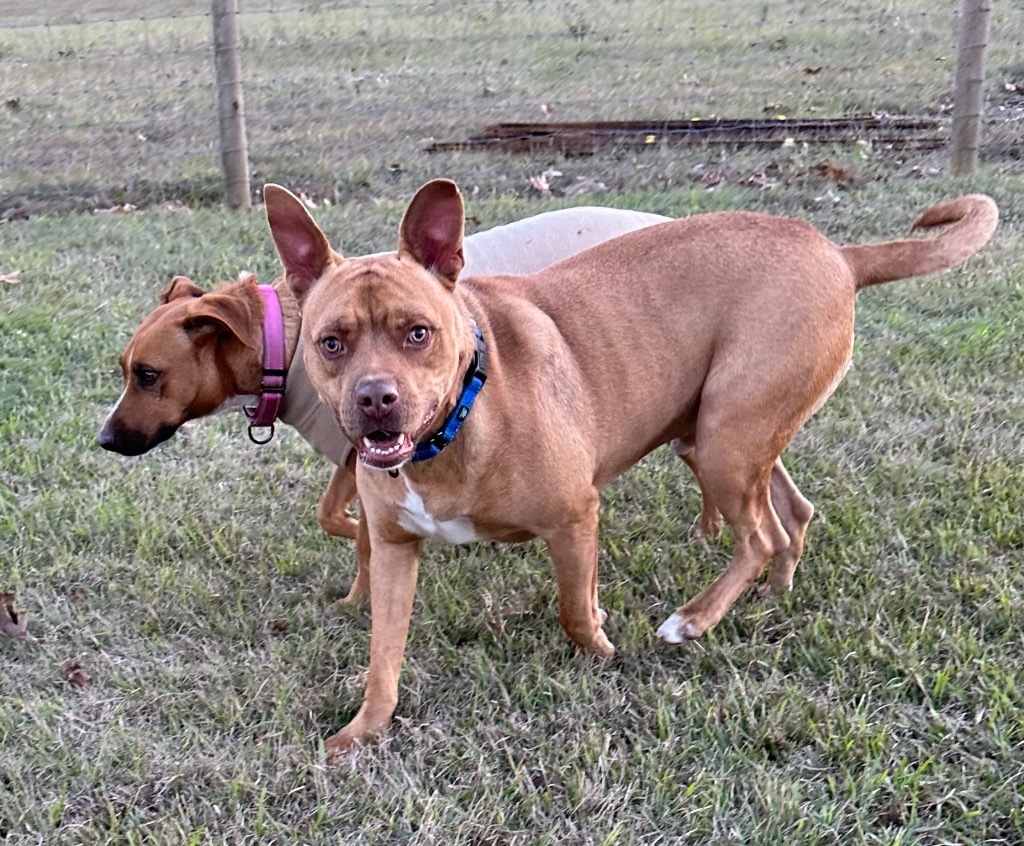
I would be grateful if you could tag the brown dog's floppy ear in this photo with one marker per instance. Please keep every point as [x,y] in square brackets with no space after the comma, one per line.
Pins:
[300,243]
[431,231]
[180,286]
[217,314]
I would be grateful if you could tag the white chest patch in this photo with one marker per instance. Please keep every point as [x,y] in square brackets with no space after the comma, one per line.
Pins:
[415,519]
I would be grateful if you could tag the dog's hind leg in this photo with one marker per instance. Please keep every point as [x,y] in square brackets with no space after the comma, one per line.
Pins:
[573,549]
[738,481]
[795,513]
[360,590]
[709,523]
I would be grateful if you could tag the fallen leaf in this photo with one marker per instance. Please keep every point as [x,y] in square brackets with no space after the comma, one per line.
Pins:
[760,180]
[74,674]
[829,170]
[10,278]
[542,182]
[277,627]
[585,185]
[176,206]
[12,623]
[122,208]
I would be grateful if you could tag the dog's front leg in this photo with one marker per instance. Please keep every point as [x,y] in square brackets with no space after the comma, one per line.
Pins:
[332,513]
[573,549]
[393,568]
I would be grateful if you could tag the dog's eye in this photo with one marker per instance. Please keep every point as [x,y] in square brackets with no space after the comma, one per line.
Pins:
[418,336]
[331,346]
[146,377]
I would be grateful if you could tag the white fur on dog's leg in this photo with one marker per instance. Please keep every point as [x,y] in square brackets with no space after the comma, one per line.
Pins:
[677,629]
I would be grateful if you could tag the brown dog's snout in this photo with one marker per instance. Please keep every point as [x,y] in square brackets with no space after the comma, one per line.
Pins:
[116,437]
[376,398]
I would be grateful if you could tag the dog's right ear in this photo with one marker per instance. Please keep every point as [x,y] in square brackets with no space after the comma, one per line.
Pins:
[300,243]
[180,286]
[431,230]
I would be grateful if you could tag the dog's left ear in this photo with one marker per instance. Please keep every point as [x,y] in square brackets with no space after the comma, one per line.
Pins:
[300,243]
[215,315]
[180,286]
[431,231]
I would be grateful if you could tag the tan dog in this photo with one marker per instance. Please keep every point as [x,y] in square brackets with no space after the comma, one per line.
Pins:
[722,333]
[200,352]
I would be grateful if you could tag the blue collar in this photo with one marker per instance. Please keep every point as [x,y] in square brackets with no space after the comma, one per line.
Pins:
[473,381]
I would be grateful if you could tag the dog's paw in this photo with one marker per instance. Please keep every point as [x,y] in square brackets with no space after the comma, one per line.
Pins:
[353,604]
[679,628]
[338,746]
[343,526]
[601,646]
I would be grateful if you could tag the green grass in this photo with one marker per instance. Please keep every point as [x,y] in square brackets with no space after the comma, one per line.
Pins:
[879,703]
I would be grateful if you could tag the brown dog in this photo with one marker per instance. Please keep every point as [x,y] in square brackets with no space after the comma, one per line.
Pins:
[721,333]
[200,352]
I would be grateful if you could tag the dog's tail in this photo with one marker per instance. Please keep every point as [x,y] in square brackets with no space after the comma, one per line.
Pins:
[972,220]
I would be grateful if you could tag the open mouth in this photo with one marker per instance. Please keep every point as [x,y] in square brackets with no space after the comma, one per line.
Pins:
[385,450]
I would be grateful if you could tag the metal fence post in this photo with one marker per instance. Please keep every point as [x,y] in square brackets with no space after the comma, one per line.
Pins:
[227,55]
[969,92]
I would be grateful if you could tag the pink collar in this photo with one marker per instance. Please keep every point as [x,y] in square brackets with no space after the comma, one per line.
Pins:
[272,386]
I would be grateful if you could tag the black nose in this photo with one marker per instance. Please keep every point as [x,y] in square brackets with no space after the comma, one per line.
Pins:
[107,439]
[377,397]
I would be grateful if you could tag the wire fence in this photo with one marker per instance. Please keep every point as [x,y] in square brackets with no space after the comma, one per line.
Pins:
[100,108]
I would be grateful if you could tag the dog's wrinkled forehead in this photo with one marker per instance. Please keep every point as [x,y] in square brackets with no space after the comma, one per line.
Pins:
[376,292]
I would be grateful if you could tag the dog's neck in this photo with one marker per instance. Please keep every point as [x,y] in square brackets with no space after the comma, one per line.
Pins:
[292,319]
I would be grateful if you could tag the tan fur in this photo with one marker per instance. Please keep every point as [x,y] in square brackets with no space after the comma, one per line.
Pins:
[720,333]
[204,351]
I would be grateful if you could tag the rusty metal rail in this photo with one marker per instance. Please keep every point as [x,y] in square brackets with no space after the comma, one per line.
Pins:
[587,137]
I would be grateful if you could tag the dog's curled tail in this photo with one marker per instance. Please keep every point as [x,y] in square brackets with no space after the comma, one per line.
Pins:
[972,219]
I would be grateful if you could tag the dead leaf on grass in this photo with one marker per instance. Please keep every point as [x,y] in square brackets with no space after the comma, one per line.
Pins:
[121,208]
[542,182]
[74,674]
[277,627]
[761,180]
[585,185]
[12,623]
[177,206]
[832,172]
[10,278]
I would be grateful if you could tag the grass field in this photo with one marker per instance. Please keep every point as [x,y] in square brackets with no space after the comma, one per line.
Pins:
[881,702]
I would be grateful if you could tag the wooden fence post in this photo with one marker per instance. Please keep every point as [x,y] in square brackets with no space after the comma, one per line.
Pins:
[227,56]
[969,93]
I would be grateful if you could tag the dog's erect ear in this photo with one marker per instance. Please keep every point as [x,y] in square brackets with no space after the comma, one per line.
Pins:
[431,231]
[217,314]
[180,286]
[300,243]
